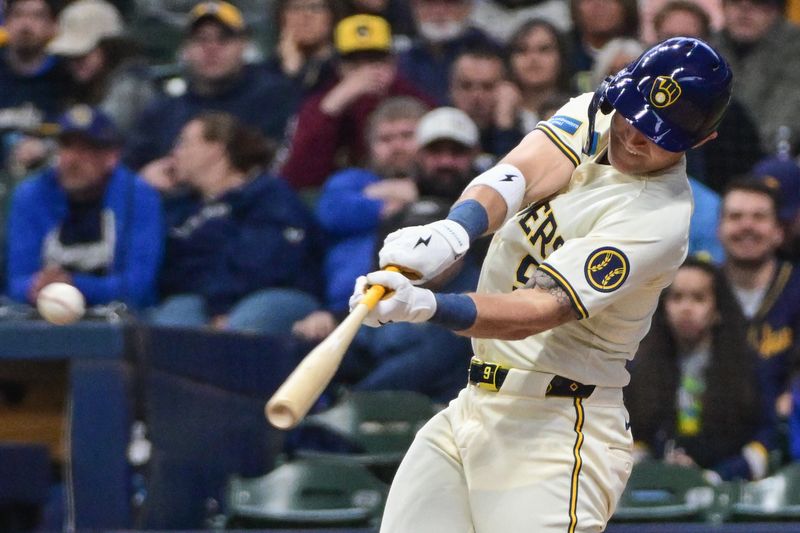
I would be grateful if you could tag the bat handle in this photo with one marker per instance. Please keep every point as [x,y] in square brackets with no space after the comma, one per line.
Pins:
[376,292]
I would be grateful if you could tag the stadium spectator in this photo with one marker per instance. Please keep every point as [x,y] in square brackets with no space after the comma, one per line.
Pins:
[34,85]
[443,33]
[160,26]
[389,358]
[703,238]
[479,88]
[502,18]
[217,78]
[396,12]
[354,201]
[738,146]
[88,221]
[539,67]
[681,17]
[241,249]
[596,22]
[614,56]
[767,289]
[446,142]
[102,62]
[305,52]
[329,131]
[782,174]
[693,397]
[763,49]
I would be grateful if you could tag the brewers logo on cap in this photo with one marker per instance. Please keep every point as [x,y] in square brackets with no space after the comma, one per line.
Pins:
[362,33]
[606,269]
[665,92]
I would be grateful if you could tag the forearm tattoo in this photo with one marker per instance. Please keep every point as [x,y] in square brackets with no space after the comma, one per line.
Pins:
[545,281]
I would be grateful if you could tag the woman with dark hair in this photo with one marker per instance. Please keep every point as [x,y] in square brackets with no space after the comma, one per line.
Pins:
[596,22]
[304,51]
[693,396]
[240,250]
[397,12]
[539,66]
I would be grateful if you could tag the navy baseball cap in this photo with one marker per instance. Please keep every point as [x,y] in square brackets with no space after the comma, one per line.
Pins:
[89,123]
[223,13]
[781,174]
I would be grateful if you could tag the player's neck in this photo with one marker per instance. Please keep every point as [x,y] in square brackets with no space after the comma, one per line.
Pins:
[750,275]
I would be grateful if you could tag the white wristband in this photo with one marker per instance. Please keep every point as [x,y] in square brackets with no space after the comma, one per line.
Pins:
[508,181]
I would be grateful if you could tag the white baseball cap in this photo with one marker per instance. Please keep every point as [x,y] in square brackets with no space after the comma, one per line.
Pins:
[447,123]
[82,25]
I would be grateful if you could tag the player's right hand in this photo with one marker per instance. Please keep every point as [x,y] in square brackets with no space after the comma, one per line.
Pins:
[402,302]
[424,252]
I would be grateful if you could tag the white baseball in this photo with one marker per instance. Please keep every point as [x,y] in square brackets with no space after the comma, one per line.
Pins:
[60,303]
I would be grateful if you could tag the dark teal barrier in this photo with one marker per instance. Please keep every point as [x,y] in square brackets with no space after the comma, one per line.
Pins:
[201,395]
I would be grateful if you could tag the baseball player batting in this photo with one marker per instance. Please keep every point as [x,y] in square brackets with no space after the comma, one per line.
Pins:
[591,218]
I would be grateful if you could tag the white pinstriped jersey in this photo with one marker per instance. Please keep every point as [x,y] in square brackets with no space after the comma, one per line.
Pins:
[612,241]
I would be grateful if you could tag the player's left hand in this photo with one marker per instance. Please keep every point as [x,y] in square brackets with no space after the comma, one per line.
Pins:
[403,301]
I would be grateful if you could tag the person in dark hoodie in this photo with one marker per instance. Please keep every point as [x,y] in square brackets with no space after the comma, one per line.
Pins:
[240,249]
[217,78]
[694,397]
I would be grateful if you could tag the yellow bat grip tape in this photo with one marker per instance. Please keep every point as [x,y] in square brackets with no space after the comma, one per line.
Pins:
[376,292]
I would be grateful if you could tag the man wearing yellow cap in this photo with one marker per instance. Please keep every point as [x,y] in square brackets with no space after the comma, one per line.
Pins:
[332,123]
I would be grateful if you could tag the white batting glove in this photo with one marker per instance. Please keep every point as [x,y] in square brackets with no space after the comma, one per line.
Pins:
[425,250]
[405,304]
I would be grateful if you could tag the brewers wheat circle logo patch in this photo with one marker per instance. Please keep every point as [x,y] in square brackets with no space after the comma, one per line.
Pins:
[665,92]
[606,269]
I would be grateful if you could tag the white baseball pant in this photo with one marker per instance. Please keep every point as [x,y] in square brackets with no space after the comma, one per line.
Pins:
[514,461]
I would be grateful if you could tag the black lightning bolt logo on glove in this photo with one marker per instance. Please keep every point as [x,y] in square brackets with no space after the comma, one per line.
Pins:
[509,177]
[423,241]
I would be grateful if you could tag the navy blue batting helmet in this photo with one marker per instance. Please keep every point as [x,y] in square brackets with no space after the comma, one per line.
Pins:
[675,93]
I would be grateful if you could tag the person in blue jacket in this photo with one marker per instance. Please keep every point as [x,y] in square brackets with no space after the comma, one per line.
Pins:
[242,250]
[703,239]
[88,220]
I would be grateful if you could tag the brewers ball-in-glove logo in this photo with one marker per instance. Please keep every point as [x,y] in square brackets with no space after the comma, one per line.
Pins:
[606,269]
[665,92]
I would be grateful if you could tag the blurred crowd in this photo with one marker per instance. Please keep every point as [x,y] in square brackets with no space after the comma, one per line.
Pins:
[236,167]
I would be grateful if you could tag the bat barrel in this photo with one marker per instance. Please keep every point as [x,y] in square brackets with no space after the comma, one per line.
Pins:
[297,395]
[280,414]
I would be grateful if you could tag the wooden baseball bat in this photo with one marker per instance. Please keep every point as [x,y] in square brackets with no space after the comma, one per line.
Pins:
[297,394]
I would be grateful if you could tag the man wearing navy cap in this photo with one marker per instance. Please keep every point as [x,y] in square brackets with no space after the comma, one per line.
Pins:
[782,174]
[88,220]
